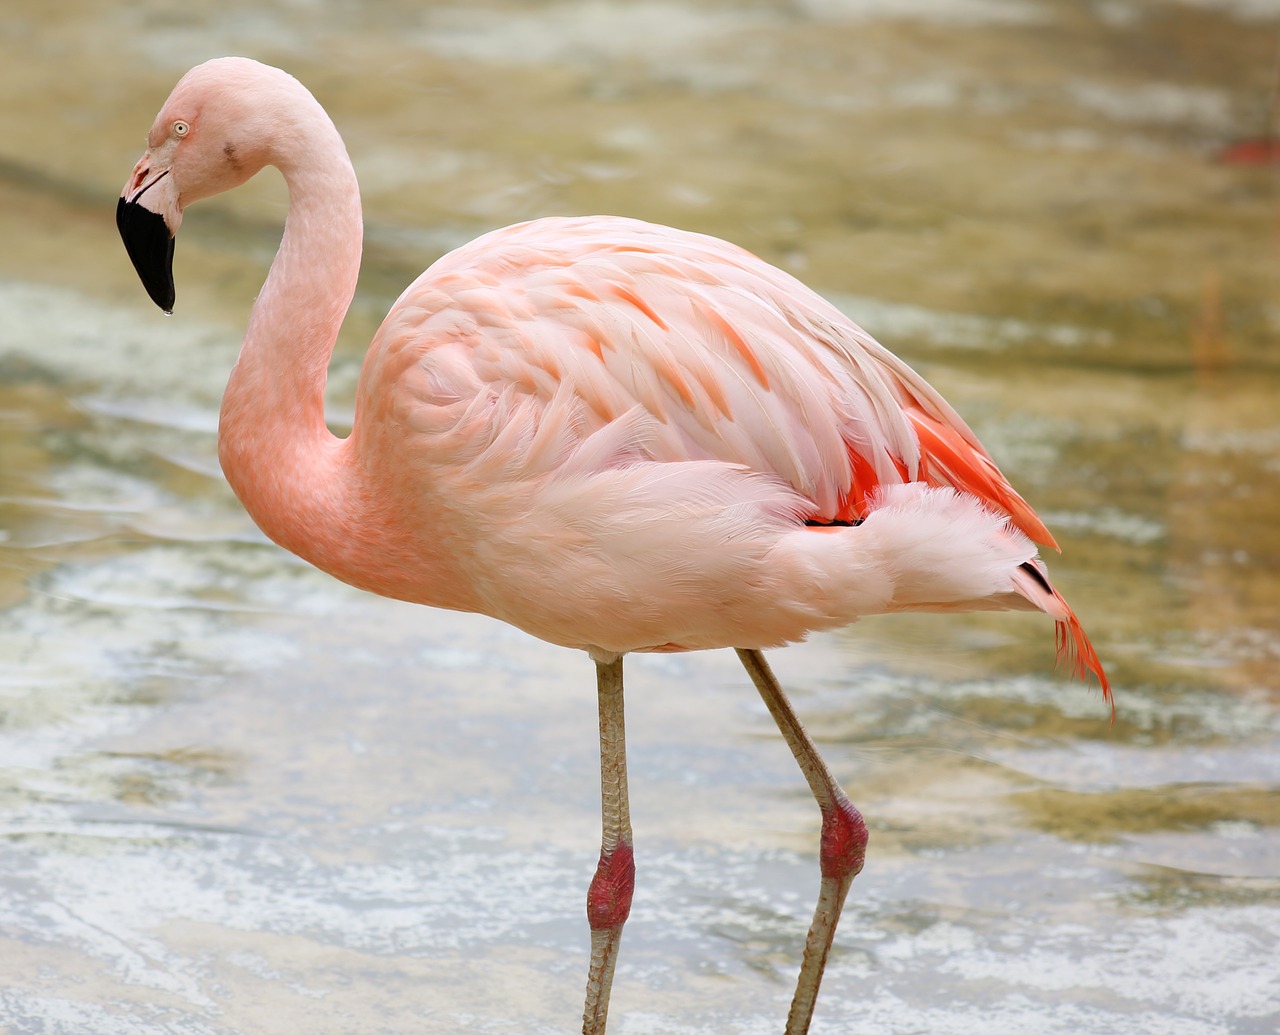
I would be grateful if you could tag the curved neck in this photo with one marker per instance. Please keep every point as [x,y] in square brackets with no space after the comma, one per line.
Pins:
[276,451]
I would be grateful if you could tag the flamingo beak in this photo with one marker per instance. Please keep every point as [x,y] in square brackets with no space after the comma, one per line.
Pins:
[147,216]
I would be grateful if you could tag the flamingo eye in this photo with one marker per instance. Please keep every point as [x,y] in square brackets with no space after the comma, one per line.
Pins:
[181,128]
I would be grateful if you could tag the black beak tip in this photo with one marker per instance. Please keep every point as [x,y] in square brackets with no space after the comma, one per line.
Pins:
[150,246]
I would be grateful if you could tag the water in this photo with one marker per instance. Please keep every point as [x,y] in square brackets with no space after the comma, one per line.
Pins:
[236,796]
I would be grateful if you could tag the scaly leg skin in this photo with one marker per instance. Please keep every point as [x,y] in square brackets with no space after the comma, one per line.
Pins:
[609,898]
[844,840]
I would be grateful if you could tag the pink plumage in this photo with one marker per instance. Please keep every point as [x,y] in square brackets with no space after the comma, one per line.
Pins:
[617,436]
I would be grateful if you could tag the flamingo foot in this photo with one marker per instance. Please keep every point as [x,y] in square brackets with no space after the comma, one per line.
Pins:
[843,847]
[843,850]
[608,906]
[609,897]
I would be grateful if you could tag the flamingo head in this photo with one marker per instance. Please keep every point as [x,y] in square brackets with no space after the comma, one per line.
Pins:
[217,129]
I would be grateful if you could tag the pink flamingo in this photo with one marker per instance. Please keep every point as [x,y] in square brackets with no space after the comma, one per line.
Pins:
[616,436]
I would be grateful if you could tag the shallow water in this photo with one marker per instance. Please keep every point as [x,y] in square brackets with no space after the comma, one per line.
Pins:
[236,796]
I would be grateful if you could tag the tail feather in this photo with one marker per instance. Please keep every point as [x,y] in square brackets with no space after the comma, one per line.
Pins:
[1075,652]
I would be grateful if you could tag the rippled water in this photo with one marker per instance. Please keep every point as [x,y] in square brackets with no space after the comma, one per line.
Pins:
[236,796]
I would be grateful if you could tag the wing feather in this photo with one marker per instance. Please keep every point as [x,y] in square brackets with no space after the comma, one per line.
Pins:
[733,359]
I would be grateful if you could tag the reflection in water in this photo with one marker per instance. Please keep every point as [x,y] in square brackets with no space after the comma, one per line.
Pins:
[236,796]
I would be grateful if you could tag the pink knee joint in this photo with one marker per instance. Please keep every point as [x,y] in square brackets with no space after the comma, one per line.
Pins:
[844,840]
[609,897]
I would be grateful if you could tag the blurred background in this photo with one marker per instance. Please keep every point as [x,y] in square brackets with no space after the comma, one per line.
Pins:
[236,796]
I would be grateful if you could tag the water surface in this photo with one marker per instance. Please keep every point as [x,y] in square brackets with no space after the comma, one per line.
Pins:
[236,796]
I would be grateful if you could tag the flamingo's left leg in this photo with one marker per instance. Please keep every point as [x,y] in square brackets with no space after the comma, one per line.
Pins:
[609,898]
[844,839]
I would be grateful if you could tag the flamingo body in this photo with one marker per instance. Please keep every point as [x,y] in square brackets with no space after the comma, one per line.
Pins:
[614,435]
[651,416]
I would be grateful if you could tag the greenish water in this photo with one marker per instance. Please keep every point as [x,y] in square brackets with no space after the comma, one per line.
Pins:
[238,797]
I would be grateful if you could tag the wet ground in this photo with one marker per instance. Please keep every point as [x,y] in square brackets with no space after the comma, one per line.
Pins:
[236,796]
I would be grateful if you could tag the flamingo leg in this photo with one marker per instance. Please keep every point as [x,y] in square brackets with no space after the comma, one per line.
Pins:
[609,897]
[844,839]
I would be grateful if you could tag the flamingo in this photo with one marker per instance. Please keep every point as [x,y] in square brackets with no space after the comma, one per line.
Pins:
[613,435]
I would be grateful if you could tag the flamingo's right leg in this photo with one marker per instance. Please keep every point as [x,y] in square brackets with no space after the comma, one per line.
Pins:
[609,898]
[844,839]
